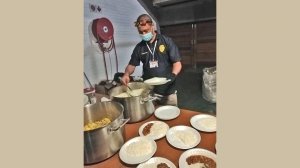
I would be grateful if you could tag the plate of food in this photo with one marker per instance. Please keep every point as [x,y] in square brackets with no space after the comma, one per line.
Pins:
[197,157]
[167,112]
[204,122]
[137,150]
[183,137]
[156,81]
[154,129]
[157,162]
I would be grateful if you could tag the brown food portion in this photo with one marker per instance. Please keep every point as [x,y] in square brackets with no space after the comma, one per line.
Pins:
[208,162]
[162,165]
[147,128]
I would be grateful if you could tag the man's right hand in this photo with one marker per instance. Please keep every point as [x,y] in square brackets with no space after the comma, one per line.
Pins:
[125,79]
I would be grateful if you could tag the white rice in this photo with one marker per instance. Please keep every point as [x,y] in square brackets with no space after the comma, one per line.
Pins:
[209,123]
[129,93]
[136,92]
[139,148]
[186,137]
[158,129]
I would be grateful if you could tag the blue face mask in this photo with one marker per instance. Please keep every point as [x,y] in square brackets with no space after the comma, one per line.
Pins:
[147,36]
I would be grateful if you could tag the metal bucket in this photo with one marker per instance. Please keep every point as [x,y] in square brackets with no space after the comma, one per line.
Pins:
[102,143]
[136,108]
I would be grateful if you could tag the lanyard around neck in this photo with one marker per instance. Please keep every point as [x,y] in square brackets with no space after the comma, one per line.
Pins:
[152,52]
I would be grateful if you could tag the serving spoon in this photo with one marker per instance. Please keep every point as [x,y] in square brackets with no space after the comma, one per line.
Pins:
[128,91]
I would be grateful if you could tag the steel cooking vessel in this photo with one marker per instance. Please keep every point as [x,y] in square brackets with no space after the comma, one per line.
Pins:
[102,143]
[136,108]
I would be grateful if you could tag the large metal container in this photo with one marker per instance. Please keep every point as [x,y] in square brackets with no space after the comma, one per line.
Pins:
[136,108]
[102,143]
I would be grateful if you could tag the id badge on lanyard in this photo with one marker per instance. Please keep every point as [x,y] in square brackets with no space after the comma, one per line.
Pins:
[153,63]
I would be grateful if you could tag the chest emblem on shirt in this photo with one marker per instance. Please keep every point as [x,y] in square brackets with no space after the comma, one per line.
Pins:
[162,48]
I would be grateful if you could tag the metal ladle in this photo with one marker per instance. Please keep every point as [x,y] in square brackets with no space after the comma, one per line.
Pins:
[128,91]
[89,92]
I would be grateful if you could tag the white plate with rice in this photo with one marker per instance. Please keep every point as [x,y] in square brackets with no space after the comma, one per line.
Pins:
[197,157]
[204,122]
[167,112]
[156,81]
[183,137]
[154,129]
[153,162]
[137,150]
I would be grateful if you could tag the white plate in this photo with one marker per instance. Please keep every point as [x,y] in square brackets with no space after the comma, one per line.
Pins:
[167,112]
[153,162]
[137,150]
[157,130]
[195,151]
[156,81]
[204,122]
[183,137]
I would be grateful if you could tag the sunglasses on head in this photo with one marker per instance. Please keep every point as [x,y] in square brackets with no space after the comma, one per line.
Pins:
[142,22]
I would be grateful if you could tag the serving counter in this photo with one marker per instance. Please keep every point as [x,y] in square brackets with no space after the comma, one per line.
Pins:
[164,149]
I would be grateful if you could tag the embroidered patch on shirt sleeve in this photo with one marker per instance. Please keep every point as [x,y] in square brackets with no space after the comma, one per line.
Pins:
[162,48]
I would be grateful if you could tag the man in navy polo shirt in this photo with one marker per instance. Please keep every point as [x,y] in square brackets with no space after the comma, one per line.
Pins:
[160,58]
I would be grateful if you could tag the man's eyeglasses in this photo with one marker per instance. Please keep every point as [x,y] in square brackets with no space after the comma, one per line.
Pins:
[142,22]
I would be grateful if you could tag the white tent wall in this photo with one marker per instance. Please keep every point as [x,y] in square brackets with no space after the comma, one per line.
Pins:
[122,14]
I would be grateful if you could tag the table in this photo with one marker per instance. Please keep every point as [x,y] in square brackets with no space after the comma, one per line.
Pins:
[164,149]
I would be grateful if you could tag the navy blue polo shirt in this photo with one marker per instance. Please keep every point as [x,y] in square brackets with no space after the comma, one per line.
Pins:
[166,53]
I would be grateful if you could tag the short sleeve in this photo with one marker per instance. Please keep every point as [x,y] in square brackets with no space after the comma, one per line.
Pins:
[173,50]
[135,58]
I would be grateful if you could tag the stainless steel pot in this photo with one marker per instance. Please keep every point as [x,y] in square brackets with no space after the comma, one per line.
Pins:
[101,143]
[136,108]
